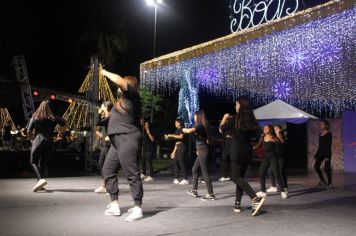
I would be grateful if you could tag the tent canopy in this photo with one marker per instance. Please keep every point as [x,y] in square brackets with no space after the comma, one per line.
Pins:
[279,110]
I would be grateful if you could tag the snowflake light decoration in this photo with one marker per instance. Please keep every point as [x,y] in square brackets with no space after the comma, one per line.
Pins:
[297,59]
[329,52]
[282,89]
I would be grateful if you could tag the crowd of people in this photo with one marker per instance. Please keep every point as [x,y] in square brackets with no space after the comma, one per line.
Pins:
[123,132]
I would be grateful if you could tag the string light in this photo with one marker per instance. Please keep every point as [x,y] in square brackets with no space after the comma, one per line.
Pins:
[314,62]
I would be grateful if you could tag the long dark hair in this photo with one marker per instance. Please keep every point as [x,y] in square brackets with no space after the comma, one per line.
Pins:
[43,112]
[245,118]
[271,130]
[326,123]
[108,105]
[121,104]
[201,120]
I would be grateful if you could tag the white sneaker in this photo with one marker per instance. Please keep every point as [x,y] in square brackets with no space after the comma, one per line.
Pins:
[284,195]
[148,179]
[222,179]
[184,182]
[175,181]
[142,176]
[39,185]
[272,189]
[101,189]
[112,210]
[261,194]
[135,214]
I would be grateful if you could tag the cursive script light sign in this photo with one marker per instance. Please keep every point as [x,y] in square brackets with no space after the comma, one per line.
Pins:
[245,14]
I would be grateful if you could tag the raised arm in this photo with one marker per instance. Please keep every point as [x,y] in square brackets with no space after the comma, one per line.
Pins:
[189,130]
[175,136]
[224,120]
[116,79]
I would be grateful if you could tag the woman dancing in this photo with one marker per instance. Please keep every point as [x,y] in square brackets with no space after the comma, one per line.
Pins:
[269,141]
[324,154]
[178,154]
[43,122]
[124,131]
[103,120]
[202,140]
[245,129]
[281,153]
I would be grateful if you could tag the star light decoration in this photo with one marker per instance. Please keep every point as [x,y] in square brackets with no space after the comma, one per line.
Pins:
[317,59]
[282,89]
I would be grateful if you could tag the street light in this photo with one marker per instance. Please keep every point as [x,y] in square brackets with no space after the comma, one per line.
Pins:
[155,4]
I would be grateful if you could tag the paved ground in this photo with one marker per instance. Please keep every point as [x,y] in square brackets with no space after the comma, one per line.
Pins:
[70,207]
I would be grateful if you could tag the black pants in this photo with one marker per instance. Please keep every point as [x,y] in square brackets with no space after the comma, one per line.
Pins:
[103,153]
[179,161]
[270,160]
[238,171]
[202,163]
[40,152]
[225,159]
[124,151]
[281,168]
[147,162]
[327,166]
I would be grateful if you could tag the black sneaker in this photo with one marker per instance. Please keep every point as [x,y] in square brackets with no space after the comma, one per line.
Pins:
[208,197]
[237,207]
[257,204]
[193,193]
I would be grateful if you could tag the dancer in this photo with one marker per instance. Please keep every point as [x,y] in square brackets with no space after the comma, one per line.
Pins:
[281,153]
[202,140]
[148,153]
[103,120]
[269,142]
[245,128]
[178,154]
[225,160]
[324,154]
[124,130]
[44,123]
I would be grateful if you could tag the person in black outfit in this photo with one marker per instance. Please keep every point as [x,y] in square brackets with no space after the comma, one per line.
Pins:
[324,154]
[225,160]
[125,134]
[103,121]
[43,123]
[202,141]
[178,154]
[269,142]
[245,129]
[147,153]
[281,157]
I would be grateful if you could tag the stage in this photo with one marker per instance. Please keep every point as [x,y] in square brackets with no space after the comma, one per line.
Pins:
[70,207]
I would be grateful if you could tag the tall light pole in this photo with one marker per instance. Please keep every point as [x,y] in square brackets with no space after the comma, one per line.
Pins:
[155,4]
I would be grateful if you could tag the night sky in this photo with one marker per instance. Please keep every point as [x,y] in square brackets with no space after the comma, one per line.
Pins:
[48,33]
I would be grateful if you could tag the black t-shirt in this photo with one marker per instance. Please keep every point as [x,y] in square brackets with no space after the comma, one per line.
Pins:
[201,135]
[45,127]
[325,142]
[241,147]
[128,121]
[178,132]
[148,144]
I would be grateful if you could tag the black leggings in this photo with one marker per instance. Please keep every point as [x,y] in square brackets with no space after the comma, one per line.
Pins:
[225,160]
[327,166]
[270,160]
[147,161]
[202,163]
[238,171]
[40,152]
[179,161]
[124,151]
[281,168]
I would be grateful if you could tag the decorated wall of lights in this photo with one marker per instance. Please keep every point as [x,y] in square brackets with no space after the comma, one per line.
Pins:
[311,66]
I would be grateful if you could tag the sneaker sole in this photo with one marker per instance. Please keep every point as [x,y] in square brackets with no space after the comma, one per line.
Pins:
[257,210]
[39,187]
[237,211]
[132,220]
[205,200]
[192,195]
[112,214]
